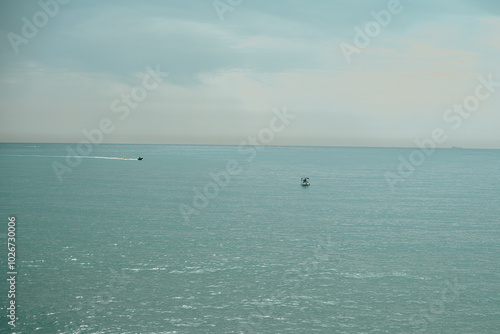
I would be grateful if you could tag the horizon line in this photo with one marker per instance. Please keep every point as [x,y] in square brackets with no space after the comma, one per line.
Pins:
[281,145]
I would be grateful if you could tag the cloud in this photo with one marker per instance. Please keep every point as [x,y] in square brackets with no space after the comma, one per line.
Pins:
[230,74]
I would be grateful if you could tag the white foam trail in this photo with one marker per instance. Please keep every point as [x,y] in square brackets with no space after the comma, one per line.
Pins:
[64,156]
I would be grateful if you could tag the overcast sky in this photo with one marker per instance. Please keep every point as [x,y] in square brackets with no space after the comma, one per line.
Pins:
[230,66]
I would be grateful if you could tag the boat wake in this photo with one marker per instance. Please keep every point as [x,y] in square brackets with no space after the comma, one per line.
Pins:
[65,156]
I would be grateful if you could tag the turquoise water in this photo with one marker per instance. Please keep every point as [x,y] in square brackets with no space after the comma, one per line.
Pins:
[108,248]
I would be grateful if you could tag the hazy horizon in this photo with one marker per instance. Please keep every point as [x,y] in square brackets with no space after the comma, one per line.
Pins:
[352,74]
[274,145]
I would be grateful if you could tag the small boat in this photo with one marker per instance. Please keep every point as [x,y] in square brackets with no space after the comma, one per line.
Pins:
[304,181]
[140,158]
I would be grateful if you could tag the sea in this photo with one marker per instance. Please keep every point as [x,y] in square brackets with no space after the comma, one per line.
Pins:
[225,239]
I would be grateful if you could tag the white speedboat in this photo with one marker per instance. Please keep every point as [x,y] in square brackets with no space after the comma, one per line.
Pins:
[304,181]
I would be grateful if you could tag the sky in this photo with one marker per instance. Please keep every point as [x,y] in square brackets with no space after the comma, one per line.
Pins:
[349,72]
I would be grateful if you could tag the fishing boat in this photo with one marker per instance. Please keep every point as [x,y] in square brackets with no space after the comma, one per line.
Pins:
[304,181]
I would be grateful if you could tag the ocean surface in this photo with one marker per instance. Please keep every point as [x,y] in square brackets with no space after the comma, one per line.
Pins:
[221,239]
